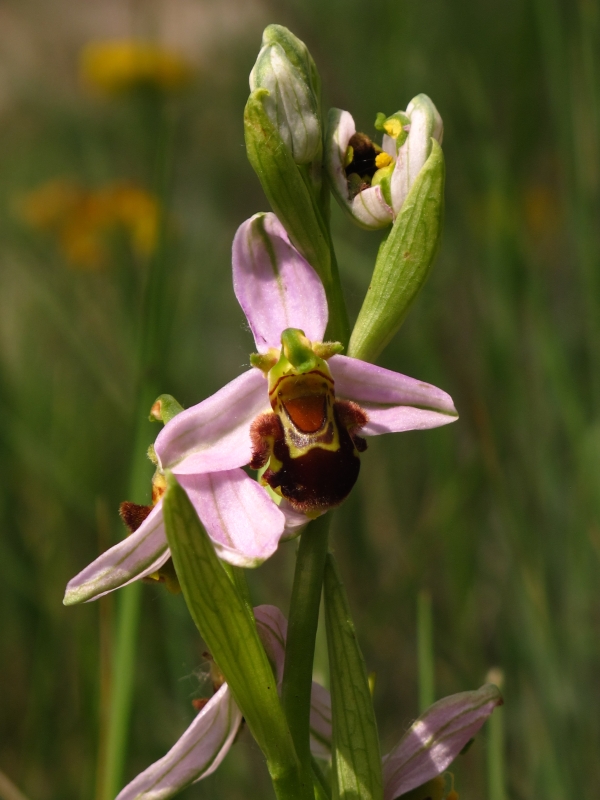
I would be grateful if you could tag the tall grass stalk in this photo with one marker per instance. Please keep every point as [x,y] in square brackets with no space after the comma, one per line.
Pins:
[152,338]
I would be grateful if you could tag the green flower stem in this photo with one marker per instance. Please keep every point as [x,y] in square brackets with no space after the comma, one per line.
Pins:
[425,655]
[302,630]
[338,328]
[128,613]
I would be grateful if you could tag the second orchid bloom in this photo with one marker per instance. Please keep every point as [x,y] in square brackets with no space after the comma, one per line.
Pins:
[371,182]
[302,412]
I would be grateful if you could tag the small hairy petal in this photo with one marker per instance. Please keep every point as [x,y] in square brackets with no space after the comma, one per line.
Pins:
[244,524]
[435,739]
[194,756]
[140,554]
[275,286]
[393,402]
[215,434]
[272,629]
[264,432]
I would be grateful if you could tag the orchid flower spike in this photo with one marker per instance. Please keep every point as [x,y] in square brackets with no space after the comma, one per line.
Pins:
[300,413]
[371,182]
[422,755]
[206,742]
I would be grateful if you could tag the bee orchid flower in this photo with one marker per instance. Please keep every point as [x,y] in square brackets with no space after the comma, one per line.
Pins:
[371,182]
[425,751]
[300,413]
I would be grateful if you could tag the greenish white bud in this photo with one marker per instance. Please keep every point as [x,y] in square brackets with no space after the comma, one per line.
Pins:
[291,103]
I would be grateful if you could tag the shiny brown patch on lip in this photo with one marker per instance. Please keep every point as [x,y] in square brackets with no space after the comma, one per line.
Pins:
[307,413]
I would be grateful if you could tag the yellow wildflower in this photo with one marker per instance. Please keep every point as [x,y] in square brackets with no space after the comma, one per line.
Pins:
[82,221]
[116,66]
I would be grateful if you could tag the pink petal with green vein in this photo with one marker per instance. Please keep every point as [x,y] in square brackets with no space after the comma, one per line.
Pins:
[215,434]
[393,402]
[195,755]
[140,554]
[402,418]
[435,739]
[244,524]
[276,287]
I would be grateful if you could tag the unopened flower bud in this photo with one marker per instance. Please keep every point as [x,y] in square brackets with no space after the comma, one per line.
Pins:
[291,103]
[371,182]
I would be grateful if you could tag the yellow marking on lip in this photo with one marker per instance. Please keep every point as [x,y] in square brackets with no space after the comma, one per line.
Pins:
[299,377]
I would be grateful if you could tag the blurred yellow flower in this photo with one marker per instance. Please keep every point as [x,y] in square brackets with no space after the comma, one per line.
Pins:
[83,220]
[117,66]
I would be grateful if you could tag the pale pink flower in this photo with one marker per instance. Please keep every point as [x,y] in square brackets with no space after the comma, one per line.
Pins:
[207,445]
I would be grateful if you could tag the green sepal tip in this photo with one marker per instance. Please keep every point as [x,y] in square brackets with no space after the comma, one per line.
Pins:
[164,409]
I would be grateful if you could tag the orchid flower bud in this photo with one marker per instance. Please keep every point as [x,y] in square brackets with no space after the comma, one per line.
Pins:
[285,69]
[371,182]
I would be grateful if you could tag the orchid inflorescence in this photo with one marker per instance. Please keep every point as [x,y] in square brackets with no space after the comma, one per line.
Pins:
[300,416]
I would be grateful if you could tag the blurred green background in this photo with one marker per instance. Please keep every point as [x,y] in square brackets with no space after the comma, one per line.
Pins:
[497,516]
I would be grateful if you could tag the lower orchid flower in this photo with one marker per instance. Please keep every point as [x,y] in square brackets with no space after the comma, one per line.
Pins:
[206,742]
[424,752]
[301,412]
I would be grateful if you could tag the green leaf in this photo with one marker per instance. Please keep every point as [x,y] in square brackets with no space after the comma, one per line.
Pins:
[356,756]
[403,262]
[227,626]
